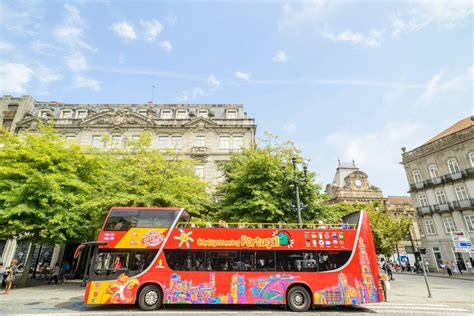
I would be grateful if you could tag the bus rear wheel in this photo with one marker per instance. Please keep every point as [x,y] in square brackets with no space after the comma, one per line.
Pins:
[298,299]
[150,298]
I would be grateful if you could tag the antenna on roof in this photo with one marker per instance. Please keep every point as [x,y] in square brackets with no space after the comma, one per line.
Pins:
[353,163]
[338,162]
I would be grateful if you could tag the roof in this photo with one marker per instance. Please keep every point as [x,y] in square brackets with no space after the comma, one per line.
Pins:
[459,126]
[343,170]
[398,199]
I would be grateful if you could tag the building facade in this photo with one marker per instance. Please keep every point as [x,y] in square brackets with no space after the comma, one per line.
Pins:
[352,185]
[208,133]
[440,175]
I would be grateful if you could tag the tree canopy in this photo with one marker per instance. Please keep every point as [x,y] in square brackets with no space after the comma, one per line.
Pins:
[258,185]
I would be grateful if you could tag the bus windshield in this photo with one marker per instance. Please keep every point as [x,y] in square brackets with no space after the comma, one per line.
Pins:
[123,220]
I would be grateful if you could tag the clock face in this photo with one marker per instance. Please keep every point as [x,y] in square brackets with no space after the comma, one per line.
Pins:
[358,182]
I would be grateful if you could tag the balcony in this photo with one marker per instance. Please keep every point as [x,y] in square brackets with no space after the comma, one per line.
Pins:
[424,210]
[447,178]
[199,151]
[457,175]
[441,208]
[463,204]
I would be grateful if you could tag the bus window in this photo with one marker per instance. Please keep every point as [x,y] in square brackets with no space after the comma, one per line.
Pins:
[110,263]
[198,260]
[162,219]
[121,220]
[331,260]
[262,260]
[297,261]
[223,260]
[177,259]
[141,260]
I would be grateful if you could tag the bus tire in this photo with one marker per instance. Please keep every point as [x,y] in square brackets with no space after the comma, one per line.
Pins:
[298,299]
[150,298]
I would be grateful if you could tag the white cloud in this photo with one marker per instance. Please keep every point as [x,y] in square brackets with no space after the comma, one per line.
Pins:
[44,48]
[242,75]
[372,39]
[67,32]
[446,15]
[166,45]
[124,30]
[213,81]
[74,16]
[71,31]
[171,19]
[280,57]
[289,127]
[298,14]
[438,85]
[46,75]
[87,83]
[152,29]
[189,96]
[6,46]
[14,78]
[77,62]
[378,152]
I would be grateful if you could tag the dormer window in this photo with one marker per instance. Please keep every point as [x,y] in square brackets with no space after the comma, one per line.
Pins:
[231,114]
[43,114]
[142,112]
[81,114]
[166,114]
[181,114]
[202,113]
[66,114]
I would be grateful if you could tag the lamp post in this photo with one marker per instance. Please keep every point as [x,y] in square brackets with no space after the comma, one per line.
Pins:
[296,181]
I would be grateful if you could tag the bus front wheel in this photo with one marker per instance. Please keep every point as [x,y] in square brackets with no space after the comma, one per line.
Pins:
[150,298]
[298,299]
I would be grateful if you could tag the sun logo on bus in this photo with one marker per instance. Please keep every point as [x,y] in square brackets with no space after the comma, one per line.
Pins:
[184,238]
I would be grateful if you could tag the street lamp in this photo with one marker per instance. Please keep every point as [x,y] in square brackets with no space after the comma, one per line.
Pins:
[296,180]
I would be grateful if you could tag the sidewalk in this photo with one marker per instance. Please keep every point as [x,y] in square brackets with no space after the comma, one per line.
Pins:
[465,276]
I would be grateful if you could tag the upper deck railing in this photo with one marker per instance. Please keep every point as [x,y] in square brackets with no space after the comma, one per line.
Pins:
[245,225]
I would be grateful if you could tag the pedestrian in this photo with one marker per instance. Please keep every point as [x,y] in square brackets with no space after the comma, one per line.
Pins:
[43,271]
[14,268]
[55,274]
[404,266]
[448,269]
[2,275]
[454,269]
[389,270]
[8,280]
[385,285]
[460,265]
[443,267]
[468,266]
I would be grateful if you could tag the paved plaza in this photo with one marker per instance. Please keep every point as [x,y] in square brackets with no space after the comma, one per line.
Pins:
[407,297]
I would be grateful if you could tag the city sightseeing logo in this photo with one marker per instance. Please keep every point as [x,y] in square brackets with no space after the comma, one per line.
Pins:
[152,238]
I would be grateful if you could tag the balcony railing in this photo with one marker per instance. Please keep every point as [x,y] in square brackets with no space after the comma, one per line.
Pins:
[445,207]
[464,174]
[199,151]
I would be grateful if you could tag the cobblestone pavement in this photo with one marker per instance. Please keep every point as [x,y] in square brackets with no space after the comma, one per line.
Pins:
[407,297]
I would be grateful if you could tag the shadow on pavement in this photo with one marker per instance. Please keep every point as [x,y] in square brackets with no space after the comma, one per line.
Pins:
[75,304]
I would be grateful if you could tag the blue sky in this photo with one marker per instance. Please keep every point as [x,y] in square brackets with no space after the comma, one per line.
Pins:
[349,80]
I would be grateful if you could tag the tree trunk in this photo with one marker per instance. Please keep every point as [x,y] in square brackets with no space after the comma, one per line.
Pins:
[29,260]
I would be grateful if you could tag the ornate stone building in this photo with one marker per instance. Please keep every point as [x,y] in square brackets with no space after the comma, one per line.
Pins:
[206,132]
[352,185]
[440,175]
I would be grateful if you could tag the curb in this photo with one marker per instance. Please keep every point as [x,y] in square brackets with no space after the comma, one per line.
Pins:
[432,275]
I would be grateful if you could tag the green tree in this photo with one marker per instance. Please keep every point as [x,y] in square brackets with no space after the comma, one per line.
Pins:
[43,182]
[387,229]
[258,185]
[142,176]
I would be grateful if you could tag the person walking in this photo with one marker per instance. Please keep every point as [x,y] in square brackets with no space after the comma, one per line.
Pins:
[468,266]
[448,269]
[389,270]
[55,274]
[454,269]
[14,268]
[10,276]
[2,275]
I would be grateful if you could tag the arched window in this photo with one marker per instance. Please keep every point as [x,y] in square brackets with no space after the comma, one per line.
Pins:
[471,158]
[417,176]
[453,166]
[434,172]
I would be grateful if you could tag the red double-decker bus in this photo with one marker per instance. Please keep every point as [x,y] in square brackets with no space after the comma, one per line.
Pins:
[155,256]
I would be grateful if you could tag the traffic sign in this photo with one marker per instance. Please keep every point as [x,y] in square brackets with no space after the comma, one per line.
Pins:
[462,244]
[457,249]
[456,238]
[460,233]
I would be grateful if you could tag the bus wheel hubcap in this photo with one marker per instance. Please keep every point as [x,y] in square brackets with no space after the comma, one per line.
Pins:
[151,298]
[298,299]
